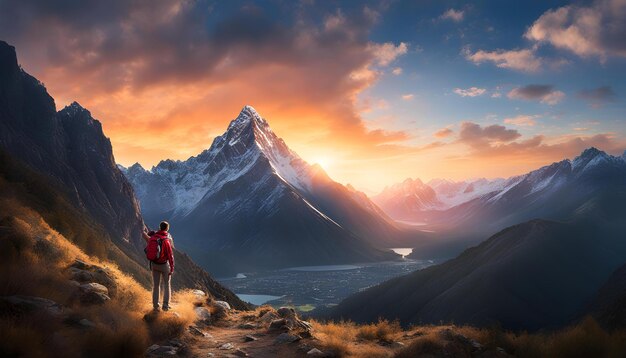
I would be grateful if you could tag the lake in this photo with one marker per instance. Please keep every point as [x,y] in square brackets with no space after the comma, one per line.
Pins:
[312,286]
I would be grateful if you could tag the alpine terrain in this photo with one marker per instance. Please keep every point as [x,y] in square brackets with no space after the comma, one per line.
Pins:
[70,152]
[249,202]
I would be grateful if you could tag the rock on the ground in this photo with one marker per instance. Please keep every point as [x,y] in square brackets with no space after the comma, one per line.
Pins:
[82,272]
[86,323]
[279,325]
[268,317]
[157,350]
[315,353]
[397,345]
[202,314]
[250,338]
[26,304]
[223,304]
[239,353]
[248,325]
[287,338]
[286,312]
[198,332]
[94,287]
[227,346]
[199,295]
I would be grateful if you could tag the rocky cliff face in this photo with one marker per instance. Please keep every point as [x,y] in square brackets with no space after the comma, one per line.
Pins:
[70,149]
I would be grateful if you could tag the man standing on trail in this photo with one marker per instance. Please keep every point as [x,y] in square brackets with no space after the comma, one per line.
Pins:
[159,252]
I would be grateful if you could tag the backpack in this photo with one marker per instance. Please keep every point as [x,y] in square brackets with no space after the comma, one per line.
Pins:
[154,250]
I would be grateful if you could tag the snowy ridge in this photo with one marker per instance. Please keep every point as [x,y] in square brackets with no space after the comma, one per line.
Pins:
[248,140]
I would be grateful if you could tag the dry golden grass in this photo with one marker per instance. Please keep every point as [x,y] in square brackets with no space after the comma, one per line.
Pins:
[383,330]
[35,260]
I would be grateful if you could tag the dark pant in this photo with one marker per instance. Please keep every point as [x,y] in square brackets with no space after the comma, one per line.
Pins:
[158,271]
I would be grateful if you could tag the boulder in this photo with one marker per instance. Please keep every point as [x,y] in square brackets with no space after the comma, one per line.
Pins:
[287,312]
[221,305]
[287,338]
[94,287]
[26,304]
[203,314]
[83,272]
[80,264]
[279,325]
[397,345]
[268,317]
[94,298]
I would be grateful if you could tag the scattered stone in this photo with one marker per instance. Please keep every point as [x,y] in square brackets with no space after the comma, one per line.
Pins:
[397,345]
[248,326]
[24,304]
[202,314]
[222,304]
[94,287]
[315,353]
[83,272]
[210,354]
[500,350]
[198,332]
[305,347]
[80,264]
[74,283]
[226,346]
[239,353]
[94,298]
[250,338]
[286,312]
[86,323]
[279,325]
[200,296]
[176,342]
[156,350]
[287,338]
[268,317]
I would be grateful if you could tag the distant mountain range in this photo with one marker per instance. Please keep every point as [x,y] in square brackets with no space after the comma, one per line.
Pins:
[249,203]
[467,211]
[542,272]
[69,150]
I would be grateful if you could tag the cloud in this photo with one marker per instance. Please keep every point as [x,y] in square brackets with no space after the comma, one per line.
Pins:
[496,141]
[543,93]
[407,97]
[478,137]
[522,120]
[598,97]
[454,15]
[397,71]
[470,92]
[179,71]
[387,52]
[496,95]
[522,60]
[595,30]
[444,133]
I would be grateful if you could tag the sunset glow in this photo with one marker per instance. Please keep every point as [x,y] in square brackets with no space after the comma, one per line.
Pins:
[372,93]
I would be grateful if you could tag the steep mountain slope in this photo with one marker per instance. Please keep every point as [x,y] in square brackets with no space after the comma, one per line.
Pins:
[249,202]
[609,304]
[69,149]
[533,275]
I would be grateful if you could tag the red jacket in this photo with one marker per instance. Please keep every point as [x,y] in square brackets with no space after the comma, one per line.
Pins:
[167,247]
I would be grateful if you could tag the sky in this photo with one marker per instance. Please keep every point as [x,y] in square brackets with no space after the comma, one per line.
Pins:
[374,91]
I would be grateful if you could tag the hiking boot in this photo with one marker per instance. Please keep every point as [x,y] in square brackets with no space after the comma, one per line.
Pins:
[156,309]
[166,308]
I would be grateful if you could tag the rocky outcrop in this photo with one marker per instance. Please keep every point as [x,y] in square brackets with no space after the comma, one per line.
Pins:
[70,150]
